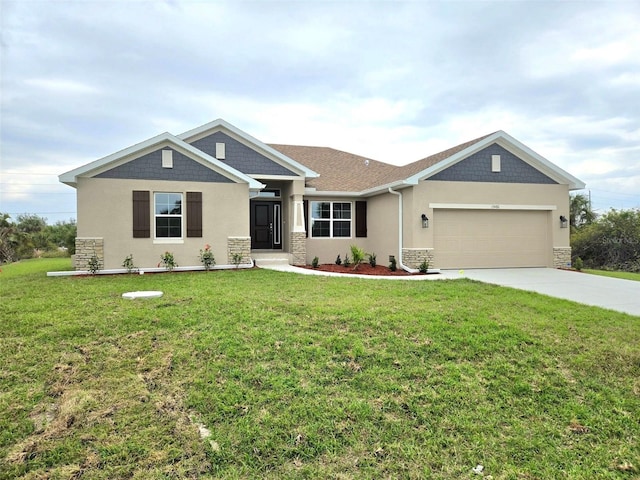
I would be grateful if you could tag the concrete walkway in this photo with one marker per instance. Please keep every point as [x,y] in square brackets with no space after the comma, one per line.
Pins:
[605,292]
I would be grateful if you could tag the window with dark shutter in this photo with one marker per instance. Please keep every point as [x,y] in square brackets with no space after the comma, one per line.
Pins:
[141,214]
[361,219]
[194,214]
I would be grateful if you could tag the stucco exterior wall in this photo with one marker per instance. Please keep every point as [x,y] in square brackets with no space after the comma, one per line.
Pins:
[495,195]
[105,211]
[382,231]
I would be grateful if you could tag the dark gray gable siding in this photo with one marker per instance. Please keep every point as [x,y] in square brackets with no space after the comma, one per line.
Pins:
[149,167]
[240,156]
[477,168]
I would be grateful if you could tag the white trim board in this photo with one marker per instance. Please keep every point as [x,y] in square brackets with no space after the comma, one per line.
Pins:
[488,206]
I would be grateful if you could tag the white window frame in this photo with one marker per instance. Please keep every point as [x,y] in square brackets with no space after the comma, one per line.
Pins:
[331,218]
[181,216]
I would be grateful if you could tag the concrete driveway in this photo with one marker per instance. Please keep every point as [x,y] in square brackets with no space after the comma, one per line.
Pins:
[605,292]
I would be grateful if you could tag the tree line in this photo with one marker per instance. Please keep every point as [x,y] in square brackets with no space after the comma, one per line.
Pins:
[610,241]
[30,236]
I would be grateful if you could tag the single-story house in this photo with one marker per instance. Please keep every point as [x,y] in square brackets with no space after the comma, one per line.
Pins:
[489,202]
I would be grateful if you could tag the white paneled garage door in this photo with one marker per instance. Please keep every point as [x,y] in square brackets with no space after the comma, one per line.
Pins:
[491,238]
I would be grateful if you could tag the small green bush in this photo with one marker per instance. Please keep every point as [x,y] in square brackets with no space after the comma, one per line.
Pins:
[578,264]
[207,258]
[424,266]
[393,264]
[347,260]
[314,262]
[372,260]
[93,265]
[358,255]
[168,261]
[128,263]
[338,260]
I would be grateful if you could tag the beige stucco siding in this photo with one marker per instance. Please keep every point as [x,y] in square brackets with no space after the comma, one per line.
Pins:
[105,211]
[382,231]
[542,203]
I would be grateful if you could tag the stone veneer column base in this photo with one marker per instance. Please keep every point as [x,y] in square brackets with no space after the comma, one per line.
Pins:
[413,257]
[238,246]
[298,242]
[86,248]
[562,257]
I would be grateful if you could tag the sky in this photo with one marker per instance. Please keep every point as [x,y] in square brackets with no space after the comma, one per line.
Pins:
[394,81]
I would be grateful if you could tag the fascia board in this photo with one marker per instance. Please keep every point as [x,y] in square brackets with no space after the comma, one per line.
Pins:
[315,193]
[444,164]
[221,124]
[552,169]
[508,142]
[312,192]
[383,188]
[70,178]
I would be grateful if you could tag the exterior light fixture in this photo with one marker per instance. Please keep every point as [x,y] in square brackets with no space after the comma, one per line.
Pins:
[425,221]
[564,223]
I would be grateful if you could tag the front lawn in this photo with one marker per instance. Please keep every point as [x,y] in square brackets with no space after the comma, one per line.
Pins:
[608,273]
[262,374]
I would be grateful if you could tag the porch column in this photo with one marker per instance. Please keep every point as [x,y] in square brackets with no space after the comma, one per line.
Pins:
[298,239]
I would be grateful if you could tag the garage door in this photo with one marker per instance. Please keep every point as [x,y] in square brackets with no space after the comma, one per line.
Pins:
[491,239]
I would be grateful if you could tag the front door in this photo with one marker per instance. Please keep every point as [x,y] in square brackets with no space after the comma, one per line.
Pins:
[265,225]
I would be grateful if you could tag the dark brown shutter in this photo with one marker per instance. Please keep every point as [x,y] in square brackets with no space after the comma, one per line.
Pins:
[305,207]
[194,214]
[361,219]
[141,214]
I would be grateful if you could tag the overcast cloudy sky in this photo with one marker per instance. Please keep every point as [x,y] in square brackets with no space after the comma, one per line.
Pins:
[391,80]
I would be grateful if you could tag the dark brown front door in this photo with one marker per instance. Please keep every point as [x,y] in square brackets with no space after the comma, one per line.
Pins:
[265,225]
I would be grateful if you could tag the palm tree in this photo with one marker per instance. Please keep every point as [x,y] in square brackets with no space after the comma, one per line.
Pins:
[580,212]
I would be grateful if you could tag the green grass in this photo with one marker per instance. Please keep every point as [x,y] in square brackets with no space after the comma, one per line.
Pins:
[608,273]
[309,377]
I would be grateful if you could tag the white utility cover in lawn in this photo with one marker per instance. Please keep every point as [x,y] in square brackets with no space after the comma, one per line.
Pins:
[142,294]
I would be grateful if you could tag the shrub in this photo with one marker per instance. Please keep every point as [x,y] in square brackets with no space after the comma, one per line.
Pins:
[358,255]
[372,260]
[424,266]
[338,260]
[168,261]
[393,264]
[237,259]
[314,262]
[93,265]
[128,263]
[207,258]
[347,260]
[578,264]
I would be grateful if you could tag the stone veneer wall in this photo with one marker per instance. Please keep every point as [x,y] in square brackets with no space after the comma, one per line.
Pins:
[298,248]
[413,257]
[239,245]
[87,248]
[562,257]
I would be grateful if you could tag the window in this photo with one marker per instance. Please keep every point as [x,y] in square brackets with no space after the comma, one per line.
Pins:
[168,215]
[330,219]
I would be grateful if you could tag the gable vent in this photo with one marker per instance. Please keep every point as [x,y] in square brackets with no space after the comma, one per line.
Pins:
[495,163]
[220,151]
[167,158]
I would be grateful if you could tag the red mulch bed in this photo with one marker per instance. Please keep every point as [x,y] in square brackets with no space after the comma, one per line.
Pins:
[363,269]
